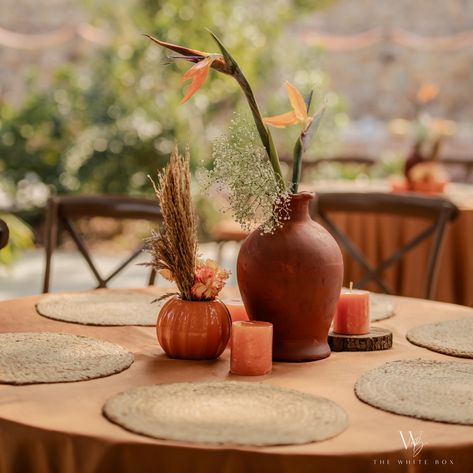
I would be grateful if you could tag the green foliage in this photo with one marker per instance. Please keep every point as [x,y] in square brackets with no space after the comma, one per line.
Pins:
[111,117]
[21,238]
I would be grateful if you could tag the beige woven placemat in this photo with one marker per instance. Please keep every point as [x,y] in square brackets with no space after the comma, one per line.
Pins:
[232,412]
[380,307]
[453,337]
[101,308]
[43,357]
[441,391]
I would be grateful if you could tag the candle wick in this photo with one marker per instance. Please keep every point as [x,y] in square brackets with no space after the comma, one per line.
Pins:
[351,286]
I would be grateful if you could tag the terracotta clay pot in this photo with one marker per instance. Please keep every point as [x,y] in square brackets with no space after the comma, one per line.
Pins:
[193,330]
[425,187]
[429,187]
[293,278]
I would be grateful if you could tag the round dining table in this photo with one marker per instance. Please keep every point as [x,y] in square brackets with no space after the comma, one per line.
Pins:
[46,428]
[378,236]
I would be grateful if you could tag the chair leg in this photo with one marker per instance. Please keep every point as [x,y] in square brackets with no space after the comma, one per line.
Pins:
[50,239]
[432,266]
[220,251]
[152,277]
[68,225]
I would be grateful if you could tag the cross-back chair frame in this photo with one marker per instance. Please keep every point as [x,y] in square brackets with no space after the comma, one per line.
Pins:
[438,210]
[61,211]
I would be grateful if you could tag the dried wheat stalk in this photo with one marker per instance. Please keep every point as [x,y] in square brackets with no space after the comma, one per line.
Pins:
[174,247]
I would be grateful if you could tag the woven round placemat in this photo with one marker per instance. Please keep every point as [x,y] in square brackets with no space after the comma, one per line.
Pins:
[453,337]
[441,391]
[232,412]
[43,357]
[101,308]
[380,307]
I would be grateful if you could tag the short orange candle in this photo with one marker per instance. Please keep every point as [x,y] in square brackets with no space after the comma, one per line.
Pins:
[353,313]
[251,348]
[236,309]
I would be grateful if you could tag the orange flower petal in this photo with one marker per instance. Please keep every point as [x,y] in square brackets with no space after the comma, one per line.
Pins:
[196,68]
[297,102]
[195,85]
[198,74]
[179,49]
[427,93]
[283,120]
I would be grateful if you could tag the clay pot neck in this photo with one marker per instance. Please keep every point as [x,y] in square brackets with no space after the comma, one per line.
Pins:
[299,206]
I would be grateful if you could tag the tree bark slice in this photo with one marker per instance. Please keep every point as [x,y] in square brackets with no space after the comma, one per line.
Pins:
[377,339]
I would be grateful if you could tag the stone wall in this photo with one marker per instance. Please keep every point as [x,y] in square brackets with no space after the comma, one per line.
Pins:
[379,79]
[34,17]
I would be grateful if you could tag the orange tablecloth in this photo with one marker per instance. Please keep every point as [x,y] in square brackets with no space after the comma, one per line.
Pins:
[378,236]
[59,427]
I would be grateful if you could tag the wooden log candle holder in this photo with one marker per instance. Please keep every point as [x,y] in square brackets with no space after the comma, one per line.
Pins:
[377,339]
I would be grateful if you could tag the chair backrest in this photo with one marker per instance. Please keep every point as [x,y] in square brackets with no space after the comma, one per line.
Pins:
[61,211]
[4,234]
[437,211]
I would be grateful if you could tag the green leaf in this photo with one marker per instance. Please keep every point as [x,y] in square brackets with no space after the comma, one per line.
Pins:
[21,238]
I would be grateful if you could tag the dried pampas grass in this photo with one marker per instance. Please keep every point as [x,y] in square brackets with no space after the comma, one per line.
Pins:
[174,247]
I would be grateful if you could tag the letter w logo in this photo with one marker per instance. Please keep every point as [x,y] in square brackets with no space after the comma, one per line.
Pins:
[412,441]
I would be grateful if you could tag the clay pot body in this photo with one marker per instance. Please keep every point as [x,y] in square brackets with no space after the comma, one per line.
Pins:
[193,330]
[293,278]
[424,187]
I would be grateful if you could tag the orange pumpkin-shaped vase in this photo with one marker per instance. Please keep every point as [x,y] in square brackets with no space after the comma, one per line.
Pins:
[193,330]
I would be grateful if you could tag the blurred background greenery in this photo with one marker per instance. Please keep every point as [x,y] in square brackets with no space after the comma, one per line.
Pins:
[106,119]
[103,121]
[106,115]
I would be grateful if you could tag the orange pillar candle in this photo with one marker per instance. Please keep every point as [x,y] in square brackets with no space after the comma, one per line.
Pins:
[251,348]
[353,313]
[236,309]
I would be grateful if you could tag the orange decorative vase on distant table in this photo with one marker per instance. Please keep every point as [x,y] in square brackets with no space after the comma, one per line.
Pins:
[292,278]
[425,187]
[193,330]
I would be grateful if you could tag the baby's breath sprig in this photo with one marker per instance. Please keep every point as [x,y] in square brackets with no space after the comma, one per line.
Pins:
[241,169]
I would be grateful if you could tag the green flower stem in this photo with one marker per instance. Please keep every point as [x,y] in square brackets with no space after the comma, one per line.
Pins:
[302,142]
[299,151]
[297,165]
[263,131]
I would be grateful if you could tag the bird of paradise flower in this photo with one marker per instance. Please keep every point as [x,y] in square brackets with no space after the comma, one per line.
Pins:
[224,63]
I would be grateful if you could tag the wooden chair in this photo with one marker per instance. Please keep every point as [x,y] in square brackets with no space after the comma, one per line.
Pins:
[4,234]
[62,210]
[438,211]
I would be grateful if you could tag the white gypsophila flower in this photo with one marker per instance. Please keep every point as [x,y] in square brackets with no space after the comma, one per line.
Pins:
[243,172]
